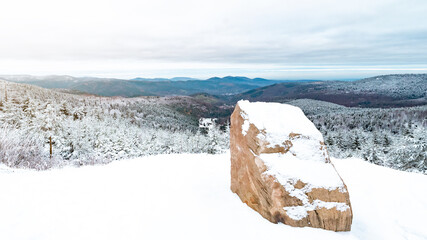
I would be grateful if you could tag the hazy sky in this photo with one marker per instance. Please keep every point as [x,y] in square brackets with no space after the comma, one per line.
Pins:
[288,39]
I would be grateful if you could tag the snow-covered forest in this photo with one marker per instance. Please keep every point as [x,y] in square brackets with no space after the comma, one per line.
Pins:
[88,130]
[414,85]
[393,137]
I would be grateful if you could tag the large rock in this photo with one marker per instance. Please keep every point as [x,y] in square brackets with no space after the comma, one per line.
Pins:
[280,168]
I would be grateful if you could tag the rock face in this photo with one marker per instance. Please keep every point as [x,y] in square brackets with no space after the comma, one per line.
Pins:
[280,168]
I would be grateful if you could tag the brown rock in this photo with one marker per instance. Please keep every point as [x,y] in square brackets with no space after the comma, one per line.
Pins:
[266,173]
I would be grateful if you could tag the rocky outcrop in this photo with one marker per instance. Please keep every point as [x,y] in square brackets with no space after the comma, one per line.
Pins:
[280,168]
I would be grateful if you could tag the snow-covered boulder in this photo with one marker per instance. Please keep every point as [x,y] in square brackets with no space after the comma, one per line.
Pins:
[280,168]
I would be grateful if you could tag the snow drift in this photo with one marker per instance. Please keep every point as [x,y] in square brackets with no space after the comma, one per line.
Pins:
[187,197]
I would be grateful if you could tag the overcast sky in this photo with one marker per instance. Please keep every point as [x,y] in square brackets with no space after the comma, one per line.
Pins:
[283,39]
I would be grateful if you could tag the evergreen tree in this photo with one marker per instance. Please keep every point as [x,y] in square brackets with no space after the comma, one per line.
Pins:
[329,141]
[339,141]
[387,141]
[356,143]
[375,159]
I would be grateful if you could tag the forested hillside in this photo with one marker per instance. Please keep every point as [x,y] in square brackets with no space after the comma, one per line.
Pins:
[387,91]
[394,137]
[140,87]
[88,130]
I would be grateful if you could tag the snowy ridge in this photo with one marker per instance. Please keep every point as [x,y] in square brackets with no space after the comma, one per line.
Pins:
[93,130]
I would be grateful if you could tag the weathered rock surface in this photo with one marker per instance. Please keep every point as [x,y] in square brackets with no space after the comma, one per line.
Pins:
[280,168]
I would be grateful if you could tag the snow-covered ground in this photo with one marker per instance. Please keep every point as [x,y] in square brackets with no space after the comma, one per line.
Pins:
[187,196]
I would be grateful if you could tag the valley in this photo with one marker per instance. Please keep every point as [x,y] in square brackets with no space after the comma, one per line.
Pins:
[91,129]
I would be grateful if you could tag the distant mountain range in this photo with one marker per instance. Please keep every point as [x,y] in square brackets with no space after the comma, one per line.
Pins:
[381,91]
[163,79]
[400,90]
[145,86]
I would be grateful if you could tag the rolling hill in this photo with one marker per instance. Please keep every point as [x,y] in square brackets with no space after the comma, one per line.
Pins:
[145,87]
[381,91]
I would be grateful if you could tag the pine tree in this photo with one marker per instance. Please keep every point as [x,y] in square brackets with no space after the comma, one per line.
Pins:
[5,92]
[375,139]
[329,141]
[64,110]
[339,141]
[375,159]
[386,142]
[356,143]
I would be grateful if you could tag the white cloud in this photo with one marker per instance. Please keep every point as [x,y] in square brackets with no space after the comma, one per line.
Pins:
[191,36]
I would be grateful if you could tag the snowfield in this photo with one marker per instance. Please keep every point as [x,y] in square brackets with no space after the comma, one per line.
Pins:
[187,196]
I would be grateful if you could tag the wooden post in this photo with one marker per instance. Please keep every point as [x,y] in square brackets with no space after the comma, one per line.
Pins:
[50,144]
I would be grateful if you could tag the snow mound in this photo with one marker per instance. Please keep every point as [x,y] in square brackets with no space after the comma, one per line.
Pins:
[188,197]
